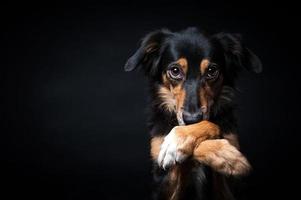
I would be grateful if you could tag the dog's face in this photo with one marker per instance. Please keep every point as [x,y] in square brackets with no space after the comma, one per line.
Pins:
[190,69]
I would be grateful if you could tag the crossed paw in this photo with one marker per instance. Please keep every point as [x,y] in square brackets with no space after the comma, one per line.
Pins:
[175,149]
[218,153]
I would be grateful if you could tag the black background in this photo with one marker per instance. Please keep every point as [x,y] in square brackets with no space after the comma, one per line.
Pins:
[74,124]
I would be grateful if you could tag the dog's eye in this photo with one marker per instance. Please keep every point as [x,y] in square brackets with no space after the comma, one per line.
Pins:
[212,72]
[175,73]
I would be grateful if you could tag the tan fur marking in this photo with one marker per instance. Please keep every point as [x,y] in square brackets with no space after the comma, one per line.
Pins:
[168,99]
[155,146]
[184,64]
[206,99]
[202,130]
[204,65]
[203,99]
[179,94]
[189,136]
[222,156]
[172,97]
[165,80]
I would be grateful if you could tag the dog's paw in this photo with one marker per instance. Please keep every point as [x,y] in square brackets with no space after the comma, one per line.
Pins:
[225,158]
[175,148]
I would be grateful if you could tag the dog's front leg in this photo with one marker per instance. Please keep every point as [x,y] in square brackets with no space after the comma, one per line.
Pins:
[200,142]
[181,141]
[221,156]
[169,183]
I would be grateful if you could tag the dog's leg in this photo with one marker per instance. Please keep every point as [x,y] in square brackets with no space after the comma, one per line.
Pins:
[169,182]
[181,141]
[155,145]
[223,157]
[219,154]
[185,141]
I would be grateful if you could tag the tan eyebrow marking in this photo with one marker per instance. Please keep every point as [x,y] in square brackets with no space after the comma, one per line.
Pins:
[204,65]
[183,63]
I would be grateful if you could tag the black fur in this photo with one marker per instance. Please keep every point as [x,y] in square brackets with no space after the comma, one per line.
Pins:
[162,47]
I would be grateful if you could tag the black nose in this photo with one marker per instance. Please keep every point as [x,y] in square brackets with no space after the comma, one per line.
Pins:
[191,118]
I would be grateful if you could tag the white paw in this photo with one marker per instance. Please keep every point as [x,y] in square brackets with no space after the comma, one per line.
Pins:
[169,152]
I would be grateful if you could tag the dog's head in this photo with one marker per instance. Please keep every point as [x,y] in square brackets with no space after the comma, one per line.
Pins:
[191,69]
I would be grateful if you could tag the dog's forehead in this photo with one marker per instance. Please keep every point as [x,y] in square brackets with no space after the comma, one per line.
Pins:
[193,47]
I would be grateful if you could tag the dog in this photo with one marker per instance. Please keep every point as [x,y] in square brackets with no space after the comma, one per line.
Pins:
[194,143]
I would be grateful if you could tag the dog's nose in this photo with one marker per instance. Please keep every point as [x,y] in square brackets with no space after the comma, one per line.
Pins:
[191,118]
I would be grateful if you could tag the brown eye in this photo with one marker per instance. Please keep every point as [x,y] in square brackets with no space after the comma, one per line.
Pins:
[175,73]
[212,72]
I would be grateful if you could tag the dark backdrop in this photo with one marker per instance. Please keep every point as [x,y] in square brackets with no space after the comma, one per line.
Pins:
[74,124]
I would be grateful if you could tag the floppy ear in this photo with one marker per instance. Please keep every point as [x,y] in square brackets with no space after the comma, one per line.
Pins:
[148,54]
[236,54]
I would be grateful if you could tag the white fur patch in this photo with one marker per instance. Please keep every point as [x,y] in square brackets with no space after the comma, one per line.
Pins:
[180,118]
[169,154]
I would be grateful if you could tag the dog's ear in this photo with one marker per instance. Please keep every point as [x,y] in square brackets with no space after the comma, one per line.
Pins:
[236,54]
[148,54]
